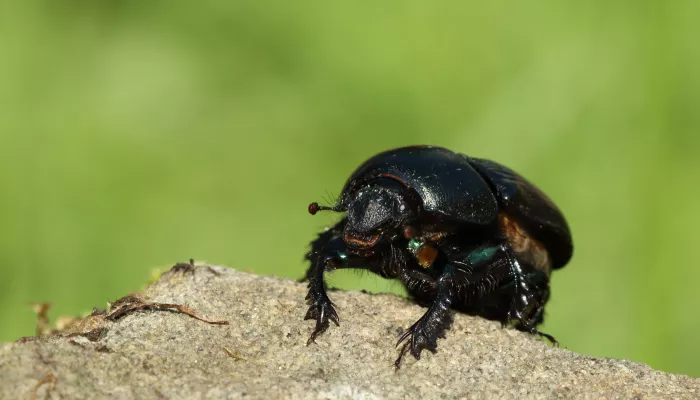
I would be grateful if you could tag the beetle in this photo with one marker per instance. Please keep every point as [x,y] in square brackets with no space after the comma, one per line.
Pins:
[459,232]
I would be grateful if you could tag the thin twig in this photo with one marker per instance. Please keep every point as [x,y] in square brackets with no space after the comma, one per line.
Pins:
[185,310]
[130,304]
[49,378]
[233,355]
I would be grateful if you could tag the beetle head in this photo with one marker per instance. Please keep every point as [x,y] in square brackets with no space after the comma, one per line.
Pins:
[374,212]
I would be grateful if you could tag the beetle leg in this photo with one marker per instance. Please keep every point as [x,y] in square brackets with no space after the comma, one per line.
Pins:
[320,305]
[530,293]
[324,256]
[328,252]
[431,326]
[537,318]
[421,286]
[319,246]
[524,301]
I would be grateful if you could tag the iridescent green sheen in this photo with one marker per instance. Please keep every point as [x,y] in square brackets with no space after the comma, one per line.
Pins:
[414,244]
[482,254]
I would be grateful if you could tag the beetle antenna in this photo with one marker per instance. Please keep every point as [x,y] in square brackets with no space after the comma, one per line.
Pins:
[314,208]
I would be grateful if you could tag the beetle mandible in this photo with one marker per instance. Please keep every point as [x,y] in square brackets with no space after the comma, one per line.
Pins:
[459,232]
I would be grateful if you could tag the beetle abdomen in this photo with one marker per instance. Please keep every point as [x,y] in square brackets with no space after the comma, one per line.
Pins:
[530,208]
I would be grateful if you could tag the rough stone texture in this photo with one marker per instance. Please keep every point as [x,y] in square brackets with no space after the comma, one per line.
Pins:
[263,353]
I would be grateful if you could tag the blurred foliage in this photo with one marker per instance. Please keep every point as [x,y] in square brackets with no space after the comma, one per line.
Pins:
[137,134]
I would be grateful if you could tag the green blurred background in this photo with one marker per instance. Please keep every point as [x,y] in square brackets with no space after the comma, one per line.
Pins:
[135,134]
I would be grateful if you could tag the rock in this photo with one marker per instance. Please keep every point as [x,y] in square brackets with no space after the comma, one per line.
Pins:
[262,352]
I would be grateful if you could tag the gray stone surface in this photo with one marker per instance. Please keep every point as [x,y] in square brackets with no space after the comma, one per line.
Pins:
[262,353]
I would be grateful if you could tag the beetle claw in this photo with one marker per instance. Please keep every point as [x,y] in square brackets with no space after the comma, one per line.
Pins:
[547,336]
[417,338]
[334,316]
[404,335]
[322,311]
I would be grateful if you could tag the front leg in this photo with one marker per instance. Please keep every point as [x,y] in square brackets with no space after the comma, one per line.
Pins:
[320,246]
[320,305]
[431,326]
[328,252]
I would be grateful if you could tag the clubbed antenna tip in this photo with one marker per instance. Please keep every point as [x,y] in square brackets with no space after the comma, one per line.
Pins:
[314,208]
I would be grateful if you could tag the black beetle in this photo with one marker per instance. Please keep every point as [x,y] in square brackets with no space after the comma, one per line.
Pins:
[459,232]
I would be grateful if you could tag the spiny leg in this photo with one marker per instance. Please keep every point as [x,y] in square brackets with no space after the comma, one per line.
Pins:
[421,286]
[451,269]
[530,294]
[328,252]
[536,318]
[320,306]
[431,326]
[506,288]
[324,256]
[521,290]
[319,247]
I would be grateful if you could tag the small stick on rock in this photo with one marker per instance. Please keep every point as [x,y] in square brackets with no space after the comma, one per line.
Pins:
[129,304]
[233,355]
[49,378]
